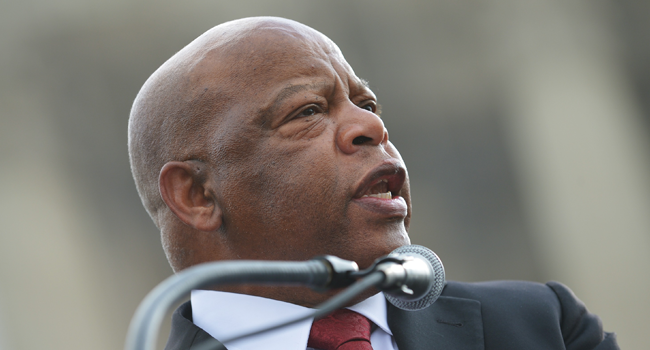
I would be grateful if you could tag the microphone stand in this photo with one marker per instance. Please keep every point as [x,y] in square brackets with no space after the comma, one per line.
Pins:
[411,276]
[322,273]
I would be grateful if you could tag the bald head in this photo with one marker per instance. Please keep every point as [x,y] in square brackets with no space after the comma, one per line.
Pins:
[177,113]
[257,141]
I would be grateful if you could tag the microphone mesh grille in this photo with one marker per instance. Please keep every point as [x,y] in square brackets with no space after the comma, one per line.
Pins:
[438,279]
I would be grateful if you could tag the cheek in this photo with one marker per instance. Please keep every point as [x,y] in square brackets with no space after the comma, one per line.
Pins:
[291,213]
[304,183]
[304,169]
[292,189]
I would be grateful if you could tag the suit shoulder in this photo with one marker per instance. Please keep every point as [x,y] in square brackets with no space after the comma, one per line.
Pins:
[510,292]
[513,302]
[552,308]
[580,328]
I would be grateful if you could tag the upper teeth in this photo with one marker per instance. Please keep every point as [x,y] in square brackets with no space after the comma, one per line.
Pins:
[379,190]
[386,195]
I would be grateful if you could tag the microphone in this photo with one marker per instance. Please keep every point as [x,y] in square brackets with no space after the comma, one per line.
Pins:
[414,279]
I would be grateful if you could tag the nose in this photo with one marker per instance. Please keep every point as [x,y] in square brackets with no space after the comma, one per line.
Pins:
[360,128]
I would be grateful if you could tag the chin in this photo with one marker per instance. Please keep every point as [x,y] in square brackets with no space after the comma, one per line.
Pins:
[371,251]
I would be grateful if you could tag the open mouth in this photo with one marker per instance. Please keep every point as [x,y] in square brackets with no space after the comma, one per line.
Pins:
[379,193]
[383,182]
[379,190]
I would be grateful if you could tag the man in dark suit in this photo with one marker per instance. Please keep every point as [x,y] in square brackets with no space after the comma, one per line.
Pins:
[258,141]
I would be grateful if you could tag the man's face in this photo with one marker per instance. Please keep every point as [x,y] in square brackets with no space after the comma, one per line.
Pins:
[303,160]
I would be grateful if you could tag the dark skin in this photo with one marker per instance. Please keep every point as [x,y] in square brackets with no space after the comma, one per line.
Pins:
[289,159]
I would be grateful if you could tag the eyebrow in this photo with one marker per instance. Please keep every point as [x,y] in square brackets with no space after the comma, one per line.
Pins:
[365,83]
[290,91]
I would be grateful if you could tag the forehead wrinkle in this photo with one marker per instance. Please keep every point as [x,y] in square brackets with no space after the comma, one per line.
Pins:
[349,82]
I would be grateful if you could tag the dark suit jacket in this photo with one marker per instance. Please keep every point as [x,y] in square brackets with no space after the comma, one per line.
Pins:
[473,316]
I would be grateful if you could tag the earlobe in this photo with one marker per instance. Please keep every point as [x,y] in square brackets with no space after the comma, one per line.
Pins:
[185,188]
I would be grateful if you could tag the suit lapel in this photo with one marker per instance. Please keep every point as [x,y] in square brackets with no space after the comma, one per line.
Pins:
[450,323]
[185,334]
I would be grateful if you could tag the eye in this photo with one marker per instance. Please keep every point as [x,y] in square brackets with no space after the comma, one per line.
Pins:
[369,106]
[309,111]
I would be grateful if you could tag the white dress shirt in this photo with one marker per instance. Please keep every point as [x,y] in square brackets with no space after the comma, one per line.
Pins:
[224,315]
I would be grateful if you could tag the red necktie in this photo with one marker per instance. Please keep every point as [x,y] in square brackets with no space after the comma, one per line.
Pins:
[341,330]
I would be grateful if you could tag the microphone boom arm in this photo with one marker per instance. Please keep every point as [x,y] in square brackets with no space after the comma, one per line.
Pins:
[412,277]
[320,273]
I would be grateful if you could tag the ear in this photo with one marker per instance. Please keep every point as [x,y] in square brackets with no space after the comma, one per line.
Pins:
[185,188]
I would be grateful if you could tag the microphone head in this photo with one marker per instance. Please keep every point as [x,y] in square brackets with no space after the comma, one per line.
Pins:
[438,283]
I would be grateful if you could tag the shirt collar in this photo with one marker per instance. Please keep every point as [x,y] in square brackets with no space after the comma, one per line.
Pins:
[374,308]
[224,315]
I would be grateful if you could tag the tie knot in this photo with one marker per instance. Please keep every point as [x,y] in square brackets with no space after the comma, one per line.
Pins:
[341,330]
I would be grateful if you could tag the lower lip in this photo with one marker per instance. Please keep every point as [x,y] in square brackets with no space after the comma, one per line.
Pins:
[395,207]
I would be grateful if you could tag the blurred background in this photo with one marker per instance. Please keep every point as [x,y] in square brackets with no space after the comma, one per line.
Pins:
[524,125]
